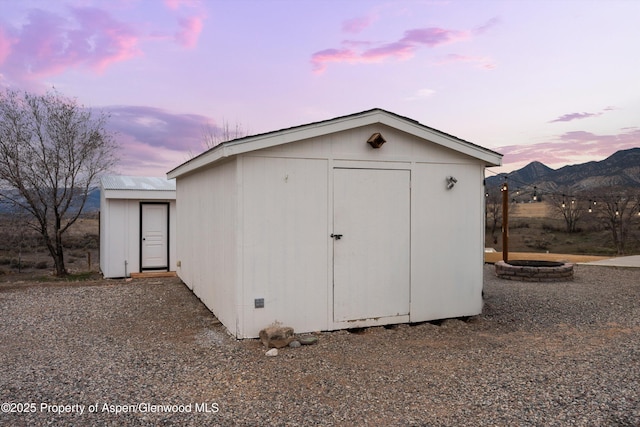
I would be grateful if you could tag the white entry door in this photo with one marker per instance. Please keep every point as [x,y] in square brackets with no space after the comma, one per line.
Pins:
[371,227]
[154,236]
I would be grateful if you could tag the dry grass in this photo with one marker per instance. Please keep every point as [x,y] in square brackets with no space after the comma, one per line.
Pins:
[23,252]
[537,228]
[530,210]
[492,257]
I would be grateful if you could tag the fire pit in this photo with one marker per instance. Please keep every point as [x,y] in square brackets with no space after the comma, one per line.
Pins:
[534,271]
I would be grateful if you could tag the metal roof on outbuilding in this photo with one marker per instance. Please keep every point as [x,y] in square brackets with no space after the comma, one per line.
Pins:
[137,183]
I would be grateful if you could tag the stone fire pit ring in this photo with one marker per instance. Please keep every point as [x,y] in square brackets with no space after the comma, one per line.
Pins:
[535,271]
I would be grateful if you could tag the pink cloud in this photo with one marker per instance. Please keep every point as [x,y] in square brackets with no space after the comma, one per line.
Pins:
[191,26]
[433,37]
[571,147]
[141,159]
[190,29]
[158,127]
[5,45]
[319,60]
[173,4]
[178,4]
[357,44]
[487,26]
[48,43]
[103,40]
[356,25]
[403,48]
[154,140]
[400,50]
[480,61]
[574,116]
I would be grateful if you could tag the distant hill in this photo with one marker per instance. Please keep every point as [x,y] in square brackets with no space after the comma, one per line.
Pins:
[91,205]
[620,169]
[93,201]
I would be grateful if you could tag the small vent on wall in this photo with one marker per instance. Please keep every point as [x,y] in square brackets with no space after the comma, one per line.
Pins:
[376,140]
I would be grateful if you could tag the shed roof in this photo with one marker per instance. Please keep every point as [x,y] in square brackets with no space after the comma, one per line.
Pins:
[364,118]
[137,183]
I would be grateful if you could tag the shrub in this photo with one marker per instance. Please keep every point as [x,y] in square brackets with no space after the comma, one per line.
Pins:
[92,241]
[540,245]
[16,263]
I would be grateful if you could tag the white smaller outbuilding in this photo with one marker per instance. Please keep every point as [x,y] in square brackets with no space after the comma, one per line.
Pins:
[137,225]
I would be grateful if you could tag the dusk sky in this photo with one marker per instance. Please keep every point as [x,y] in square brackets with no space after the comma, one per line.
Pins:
[553,81]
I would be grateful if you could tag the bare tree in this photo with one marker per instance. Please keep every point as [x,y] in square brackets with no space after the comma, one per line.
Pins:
[619,210]
[569,208]
[493,211]
[52,152]
[212,136]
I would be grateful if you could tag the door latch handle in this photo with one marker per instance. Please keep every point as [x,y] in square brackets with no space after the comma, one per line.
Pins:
[336,236]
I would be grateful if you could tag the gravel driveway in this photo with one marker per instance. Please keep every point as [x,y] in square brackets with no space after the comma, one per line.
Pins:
[147,352]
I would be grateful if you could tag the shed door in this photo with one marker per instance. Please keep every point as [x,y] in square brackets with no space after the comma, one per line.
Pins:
[371,258]
[154,228]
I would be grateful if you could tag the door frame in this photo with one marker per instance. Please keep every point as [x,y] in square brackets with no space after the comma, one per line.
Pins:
[168,205]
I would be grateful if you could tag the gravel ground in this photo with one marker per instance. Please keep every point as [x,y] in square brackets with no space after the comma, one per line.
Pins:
[541,354]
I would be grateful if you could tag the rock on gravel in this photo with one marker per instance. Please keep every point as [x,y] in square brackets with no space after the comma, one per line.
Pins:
[149,353]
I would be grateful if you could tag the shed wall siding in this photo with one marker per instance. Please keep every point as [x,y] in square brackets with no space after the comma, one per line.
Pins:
[447,242]
[208,229]
[258,226]
[104,240]
[352,145]
[285,243]
[120,227]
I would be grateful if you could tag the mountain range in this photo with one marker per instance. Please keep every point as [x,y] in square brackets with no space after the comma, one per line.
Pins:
[91,205]
[621,169]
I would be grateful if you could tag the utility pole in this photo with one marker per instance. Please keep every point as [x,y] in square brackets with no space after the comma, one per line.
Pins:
[505,222]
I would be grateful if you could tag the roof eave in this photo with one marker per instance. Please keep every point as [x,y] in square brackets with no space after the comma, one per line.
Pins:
[285,136]
[489,157]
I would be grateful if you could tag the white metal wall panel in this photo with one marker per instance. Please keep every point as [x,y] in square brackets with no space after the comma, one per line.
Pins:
[285,243]
[351,145]
[104,241]
[132,251]
[173,241]
[447,247]
[371,258]
[115,229]
[207,246]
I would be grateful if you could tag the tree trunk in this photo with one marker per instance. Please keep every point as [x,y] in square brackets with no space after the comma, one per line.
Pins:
[59,255]
[56,252]
[617,242]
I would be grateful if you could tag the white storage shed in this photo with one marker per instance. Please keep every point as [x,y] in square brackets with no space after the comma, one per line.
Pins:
[137,225]
[362,220]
